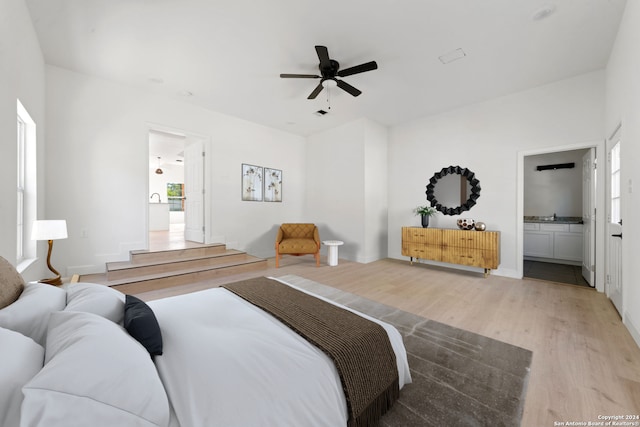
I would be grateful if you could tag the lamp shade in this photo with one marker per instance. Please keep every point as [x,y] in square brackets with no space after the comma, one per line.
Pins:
[49,229]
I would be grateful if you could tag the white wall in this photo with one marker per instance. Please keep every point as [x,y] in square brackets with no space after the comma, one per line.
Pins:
[335,183]
[346,188]
[97,145]
[486,138]
[623,106]
[553,191]
[158,183]
[375,191]
[22,76]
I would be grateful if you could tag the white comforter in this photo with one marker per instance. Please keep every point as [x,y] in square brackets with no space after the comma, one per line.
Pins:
[223,356]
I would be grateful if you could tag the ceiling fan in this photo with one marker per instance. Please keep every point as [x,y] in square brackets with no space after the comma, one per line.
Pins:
[329,70]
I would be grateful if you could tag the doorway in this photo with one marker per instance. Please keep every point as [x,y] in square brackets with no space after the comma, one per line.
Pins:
[176,205]
[557,230]
[614,288]
[554,227]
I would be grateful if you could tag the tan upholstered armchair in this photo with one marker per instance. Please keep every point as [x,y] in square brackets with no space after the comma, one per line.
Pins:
[298,239]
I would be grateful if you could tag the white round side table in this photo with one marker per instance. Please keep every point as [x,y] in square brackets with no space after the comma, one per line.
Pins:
[332,251]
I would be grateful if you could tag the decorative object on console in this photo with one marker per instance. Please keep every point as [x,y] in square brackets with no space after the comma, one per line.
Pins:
[481,226]
[466,224]
[425,212]
[468,195]
[424,221]
[50,230]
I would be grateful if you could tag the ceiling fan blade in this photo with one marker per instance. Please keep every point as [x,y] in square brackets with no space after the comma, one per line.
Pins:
[348,88]
[316,91]
[369,66]
[299,76]
[323,56]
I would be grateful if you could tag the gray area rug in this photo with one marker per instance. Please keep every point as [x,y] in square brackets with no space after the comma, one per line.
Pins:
[459,378]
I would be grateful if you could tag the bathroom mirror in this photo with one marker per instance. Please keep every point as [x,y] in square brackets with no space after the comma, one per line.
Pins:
[453,190]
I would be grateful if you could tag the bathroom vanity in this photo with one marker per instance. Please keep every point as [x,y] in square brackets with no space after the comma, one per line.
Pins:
[554,240]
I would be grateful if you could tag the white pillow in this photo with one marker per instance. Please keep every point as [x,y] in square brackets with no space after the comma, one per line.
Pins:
[96,299]
[29,314]
[21,360]
[95,375]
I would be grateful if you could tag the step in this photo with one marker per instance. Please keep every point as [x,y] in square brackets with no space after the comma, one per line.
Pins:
[144,256]
[124,269]
[150,282]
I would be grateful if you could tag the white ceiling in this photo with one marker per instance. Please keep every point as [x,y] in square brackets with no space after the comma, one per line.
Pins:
[165,149]
[229,53]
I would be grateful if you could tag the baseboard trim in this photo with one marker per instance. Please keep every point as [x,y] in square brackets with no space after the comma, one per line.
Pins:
[85,269]
[633,330]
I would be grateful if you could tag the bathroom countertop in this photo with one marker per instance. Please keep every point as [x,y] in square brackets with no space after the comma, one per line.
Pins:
[550,219]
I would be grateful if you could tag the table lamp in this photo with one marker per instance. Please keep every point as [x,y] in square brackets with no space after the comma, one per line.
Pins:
[51,229]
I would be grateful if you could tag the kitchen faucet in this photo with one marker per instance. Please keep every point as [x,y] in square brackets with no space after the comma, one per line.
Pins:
[158,194]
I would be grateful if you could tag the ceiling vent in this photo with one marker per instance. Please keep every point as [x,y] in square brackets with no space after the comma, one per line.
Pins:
[544,12]
[454,55]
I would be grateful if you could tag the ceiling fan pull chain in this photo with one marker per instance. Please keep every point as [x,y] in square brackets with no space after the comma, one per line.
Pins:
[328,99]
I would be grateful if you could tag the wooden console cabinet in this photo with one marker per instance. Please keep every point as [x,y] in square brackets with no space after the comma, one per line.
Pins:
[464,247]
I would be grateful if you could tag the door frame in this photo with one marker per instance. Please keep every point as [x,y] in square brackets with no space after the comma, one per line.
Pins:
[206,143]
[589,215]
[599,235]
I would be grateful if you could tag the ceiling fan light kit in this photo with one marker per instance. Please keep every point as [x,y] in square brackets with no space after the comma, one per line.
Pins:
[329,83]
[329,70]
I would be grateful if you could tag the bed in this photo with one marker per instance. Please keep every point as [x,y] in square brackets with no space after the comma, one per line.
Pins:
[71,358]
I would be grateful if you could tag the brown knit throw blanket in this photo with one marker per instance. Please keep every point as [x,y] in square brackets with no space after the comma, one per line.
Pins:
[359,347]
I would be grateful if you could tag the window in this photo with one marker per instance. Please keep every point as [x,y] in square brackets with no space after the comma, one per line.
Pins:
[175,195]
[615,183]
[26,186]
[20,238]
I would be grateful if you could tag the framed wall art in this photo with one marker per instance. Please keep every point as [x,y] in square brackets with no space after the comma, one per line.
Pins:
[252,177]
[272,185]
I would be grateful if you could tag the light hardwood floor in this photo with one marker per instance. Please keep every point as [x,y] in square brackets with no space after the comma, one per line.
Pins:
[585,363]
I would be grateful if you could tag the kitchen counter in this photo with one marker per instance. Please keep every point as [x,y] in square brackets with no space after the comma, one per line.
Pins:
[158,216]
[550,220]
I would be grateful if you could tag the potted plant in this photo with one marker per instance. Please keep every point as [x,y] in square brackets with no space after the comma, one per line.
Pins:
[425,212]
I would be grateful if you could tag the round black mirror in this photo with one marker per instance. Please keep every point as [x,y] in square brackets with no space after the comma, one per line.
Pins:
[444,196]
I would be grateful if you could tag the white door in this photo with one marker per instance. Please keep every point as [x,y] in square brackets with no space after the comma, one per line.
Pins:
[194,190]
[588,216]
[614,286]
